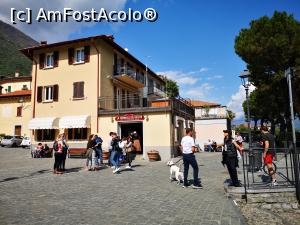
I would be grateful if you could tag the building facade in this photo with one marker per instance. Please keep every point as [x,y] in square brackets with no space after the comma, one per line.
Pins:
[15,105]
[210,121]
[94,86]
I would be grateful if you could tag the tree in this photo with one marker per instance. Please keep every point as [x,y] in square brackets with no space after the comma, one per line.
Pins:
[172,88]
[269,47]
[230,117]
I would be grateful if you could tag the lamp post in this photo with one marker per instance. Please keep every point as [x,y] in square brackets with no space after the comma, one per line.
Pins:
[246,83]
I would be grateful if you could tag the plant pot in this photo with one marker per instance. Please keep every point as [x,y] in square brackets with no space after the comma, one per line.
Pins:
[153,155]
[105,155]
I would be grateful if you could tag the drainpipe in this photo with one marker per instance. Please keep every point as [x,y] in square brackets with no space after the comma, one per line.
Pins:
[34,92]
[98,80]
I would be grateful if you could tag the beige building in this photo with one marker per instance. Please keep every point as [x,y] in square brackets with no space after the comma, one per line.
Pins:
[15,105]
[210,121]
[92,85]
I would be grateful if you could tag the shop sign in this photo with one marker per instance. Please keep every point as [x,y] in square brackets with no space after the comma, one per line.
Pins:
[128,117]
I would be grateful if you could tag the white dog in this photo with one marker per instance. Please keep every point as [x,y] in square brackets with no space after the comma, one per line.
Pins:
[175,173]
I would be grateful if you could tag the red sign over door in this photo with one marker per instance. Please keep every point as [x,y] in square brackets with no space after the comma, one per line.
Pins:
[128,117]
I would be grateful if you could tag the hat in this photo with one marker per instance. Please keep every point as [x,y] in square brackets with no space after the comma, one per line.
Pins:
[227,131]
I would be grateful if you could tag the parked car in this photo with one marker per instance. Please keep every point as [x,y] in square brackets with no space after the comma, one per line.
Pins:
[11,141]
[26,142]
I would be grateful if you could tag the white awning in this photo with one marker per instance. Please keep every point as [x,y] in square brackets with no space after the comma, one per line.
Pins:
[43,123]
[75,121]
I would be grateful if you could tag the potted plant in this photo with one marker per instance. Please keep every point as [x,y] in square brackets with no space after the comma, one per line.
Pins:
[153,155]
[105,155]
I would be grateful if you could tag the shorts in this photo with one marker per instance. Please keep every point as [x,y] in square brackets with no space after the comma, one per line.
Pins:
[268,159]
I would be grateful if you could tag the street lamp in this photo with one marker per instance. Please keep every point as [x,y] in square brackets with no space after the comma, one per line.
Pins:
[245,75]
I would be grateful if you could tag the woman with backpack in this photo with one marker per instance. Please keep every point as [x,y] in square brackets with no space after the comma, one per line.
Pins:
[89,153]
[115,153]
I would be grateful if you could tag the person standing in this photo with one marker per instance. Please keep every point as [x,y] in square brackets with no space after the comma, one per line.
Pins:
[126,145]
[89,153]
[230,157]
[268,141]
[65,152]
[188,150]
[98,149]
[110,148]
[115,152]
[58,151]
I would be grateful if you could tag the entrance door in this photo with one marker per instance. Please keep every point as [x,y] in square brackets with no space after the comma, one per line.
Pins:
[128,128]
[18,130]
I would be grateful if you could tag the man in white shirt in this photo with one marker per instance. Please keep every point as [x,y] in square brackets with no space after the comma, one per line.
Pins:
[188,149]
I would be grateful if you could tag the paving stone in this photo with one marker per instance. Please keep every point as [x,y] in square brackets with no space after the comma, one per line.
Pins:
[31,194]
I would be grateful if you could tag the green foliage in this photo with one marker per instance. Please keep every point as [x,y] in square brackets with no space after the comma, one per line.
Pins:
[172,88]
[230,114]
[269,47]
[11,59]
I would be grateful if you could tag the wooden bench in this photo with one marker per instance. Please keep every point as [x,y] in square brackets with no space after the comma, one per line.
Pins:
[76,152]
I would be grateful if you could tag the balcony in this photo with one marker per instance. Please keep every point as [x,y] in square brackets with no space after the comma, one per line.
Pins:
[211,113]
[154,91]
[129,76]
[137,104]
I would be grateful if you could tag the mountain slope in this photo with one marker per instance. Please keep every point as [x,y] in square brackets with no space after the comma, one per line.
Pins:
[11,40]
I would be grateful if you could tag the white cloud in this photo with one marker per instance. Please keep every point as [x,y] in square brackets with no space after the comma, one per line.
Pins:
[236,101]
[198,92]
[182,78]
[214,77]
[59,31]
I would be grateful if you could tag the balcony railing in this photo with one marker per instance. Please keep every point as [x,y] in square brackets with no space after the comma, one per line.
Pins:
[130,72]
[156,91]
[139,104]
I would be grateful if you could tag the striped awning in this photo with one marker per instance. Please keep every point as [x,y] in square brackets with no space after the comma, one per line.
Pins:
[43,123]
[83,121]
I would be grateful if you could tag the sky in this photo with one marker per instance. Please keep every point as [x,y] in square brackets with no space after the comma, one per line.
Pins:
[191,42]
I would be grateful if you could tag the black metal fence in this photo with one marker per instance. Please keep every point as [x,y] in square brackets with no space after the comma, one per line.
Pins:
[285,164]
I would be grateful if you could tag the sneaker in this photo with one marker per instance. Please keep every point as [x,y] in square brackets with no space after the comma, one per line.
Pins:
[116,170]
[197,186]
[274,183]
[113,167]
[128,167]
[185,186]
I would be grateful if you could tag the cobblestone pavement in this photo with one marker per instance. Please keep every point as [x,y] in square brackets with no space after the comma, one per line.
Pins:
[31,194]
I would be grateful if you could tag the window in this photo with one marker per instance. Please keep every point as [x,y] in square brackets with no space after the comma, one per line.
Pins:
[19,111]
[45,135]
[48,94]
[49,61]
[78,89]
[79,55]
[77,134]
[9,89]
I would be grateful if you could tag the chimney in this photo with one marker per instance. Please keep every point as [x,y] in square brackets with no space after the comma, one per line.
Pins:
[111,37]
[1,90]
[17,73]
[43,43]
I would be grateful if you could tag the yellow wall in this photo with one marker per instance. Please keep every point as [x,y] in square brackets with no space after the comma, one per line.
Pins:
[15,86]
[156,133]
[65,75]
[9,119]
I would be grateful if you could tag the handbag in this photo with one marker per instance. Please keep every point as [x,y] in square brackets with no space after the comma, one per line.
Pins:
[89,153]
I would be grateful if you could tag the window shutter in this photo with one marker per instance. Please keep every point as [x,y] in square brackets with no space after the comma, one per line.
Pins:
[86,53]
[55,58]
[55,93]
[39,94]
[75,90]
[42,61]
[71,55]
[81,89]
[19,111]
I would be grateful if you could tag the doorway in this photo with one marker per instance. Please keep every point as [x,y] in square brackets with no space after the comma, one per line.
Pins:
[127,128]
[18,129]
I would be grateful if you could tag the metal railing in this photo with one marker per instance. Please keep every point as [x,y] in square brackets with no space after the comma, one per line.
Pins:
[137,102]
[156,91]
[255,172]
[129,71]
